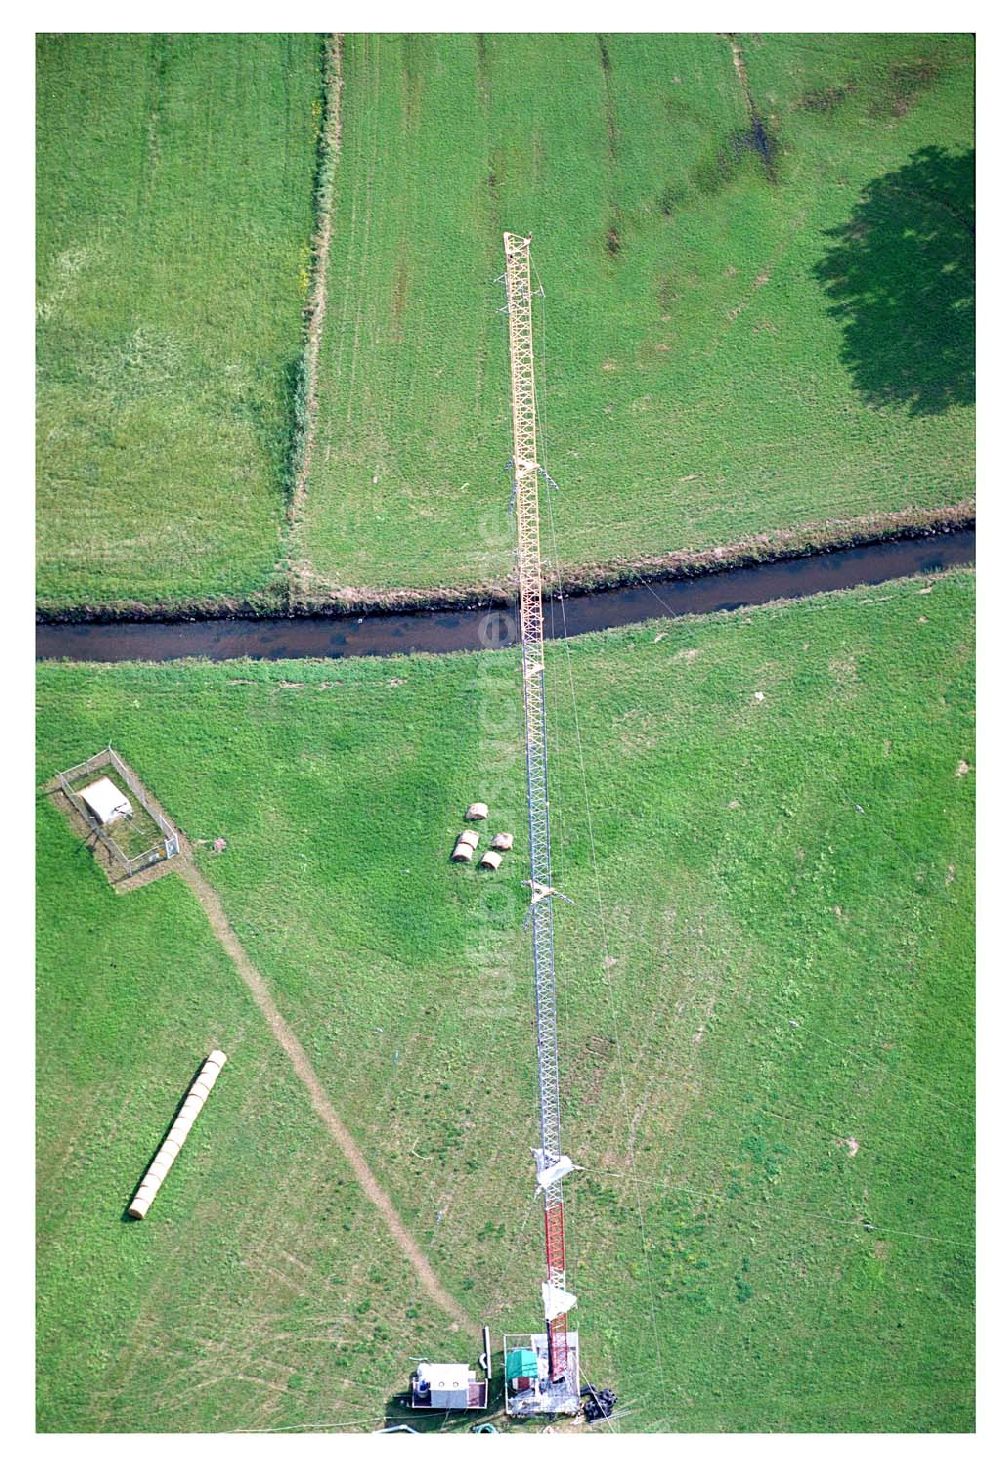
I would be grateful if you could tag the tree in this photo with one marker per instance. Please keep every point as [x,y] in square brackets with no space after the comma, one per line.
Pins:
[900,276]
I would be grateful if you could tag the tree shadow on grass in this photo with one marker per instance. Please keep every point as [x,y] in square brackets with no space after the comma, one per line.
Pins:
[900,276]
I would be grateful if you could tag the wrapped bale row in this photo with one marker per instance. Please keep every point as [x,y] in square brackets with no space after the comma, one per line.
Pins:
[174,1142]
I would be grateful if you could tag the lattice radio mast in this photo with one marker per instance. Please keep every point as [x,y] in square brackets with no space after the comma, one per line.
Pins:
[552,1165]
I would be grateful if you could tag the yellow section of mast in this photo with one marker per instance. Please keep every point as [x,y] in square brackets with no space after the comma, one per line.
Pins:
[522,373]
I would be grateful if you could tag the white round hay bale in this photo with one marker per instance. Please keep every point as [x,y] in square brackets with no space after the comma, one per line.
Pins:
[470,837]
[492,859]
[199,1090]
[461,854]
[170,1147]
[502,841]
[139,1206]
[217,1057]
[477,810]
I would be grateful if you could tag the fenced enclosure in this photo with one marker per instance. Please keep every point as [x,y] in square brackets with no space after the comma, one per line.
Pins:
[141,838]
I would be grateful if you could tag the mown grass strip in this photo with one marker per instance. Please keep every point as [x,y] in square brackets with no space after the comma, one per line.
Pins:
[307,388]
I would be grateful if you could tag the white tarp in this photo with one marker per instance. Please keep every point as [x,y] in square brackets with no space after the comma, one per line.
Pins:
[105,801]
[556,1301]
[547,1175]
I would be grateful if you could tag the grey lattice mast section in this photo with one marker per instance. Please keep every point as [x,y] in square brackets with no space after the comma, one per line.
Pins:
[551,1163]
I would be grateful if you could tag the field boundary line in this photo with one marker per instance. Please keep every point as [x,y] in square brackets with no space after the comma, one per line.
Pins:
[314,312]
[805,540]
[210,902]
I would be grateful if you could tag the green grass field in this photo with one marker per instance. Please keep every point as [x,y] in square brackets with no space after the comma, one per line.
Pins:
[745,332]
[774,959]
[736,339]
[174,216]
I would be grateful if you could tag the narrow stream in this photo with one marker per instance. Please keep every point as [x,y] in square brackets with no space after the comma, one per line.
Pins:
[291,637]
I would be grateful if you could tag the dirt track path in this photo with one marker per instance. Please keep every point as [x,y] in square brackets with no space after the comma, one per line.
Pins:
[211,904]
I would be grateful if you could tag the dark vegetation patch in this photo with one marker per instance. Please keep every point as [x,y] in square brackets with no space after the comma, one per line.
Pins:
[400,284]
[904,83]
[717,171]
[613,241]
[159,49]
[413,85]
[826,98]
[666,292]
[714,172]
[482,72]
[296,422]
[612,133]
[609,106]
[756,139]
[900,277]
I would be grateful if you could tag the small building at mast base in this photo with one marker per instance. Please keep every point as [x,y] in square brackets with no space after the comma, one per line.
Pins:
[528,1390]
[450,1387]
[447,1387]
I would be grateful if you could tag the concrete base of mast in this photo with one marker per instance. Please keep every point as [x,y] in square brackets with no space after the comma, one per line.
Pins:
[539,1397]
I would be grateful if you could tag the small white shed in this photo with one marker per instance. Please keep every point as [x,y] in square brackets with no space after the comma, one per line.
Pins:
[446,1385]
[106,802]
